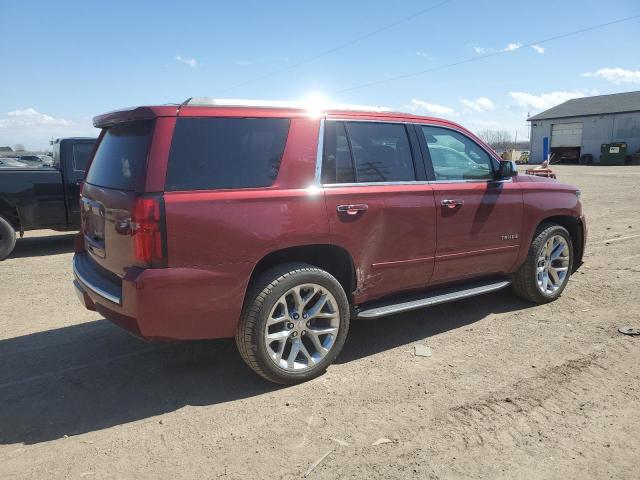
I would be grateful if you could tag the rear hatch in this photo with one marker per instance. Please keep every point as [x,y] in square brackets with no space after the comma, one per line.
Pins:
[114,209]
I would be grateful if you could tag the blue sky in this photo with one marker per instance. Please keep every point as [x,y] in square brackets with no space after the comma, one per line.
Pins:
[64,62]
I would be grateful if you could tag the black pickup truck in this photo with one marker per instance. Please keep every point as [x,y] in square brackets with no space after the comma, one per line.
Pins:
[35,197]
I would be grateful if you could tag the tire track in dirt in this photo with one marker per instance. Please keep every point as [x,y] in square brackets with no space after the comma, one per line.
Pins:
[533,409]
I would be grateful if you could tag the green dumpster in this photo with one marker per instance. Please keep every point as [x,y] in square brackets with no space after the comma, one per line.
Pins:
[613,153]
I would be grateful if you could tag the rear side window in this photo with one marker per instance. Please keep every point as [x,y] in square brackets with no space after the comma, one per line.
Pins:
[81,154]
[367,152]
[121,157]
[217,153]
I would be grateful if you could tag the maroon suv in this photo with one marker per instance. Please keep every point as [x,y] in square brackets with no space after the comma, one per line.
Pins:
[275,226]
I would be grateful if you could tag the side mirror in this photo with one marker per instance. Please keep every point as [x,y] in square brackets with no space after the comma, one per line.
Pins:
[508,169]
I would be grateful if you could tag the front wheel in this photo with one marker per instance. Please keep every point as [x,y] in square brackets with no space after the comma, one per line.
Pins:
[294,323]
[545,273]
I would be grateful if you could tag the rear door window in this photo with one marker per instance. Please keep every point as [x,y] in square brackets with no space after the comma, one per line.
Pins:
[381,152]
[367,152]
[121,158]
[218,153]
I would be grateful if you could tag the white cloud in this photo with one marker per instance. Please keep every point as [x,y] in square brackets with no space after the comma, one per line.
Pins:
[480,104]
[34,129]
[508,48]
[538,48]
[615,75]
[29,117]
[544,100]
[482,50]
[187,61]
[242,63]
[512,46]
[433,108]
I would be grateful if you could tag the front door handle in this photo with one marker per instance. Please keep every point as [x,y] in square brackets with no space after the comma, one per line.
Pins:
[353,209]
[452,203]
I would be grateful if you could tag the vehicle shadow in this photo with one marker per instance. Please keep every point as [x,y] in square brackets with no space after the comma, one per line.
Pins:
[41,246]
[91,376]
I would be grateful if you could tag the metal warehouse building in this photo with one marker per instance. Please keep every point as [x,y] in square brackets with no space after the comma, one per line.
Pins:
[580,126]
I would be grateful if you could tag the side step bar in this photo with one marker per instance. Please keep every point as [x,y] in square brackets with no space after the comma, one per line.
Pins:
[435,297]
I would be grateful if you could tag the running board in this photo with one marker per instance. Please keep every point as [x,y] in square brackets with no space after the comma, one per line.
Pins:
[435,297]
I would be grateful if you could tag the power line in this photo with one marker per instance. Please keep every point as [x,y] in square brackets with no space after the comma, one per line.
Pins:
[338,47]
[482,57]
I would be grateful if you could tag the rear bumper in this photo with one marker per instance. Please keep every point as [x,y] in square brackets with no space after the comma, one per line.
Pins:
[88,280]
[166,303]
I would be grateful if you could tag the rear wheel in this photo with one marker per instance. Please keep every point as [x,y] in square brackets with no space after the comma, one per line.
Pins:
[7,238]
[545,273]
[294,323]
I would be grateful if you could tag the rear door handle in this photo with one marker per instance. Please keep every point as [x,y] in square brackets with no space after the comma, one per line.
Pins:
[452,203]
[353,209]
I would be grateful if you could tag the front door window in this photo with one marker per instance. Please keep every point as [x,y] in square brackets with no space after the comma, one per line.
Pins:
[455,156]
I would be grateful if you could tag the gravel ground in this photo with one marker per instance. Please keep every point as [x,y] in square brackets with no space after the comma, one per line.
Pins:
[511,391]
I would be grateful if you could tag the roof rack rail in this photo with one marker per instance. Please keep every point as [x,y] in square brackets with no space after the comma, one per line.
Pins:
[301,105]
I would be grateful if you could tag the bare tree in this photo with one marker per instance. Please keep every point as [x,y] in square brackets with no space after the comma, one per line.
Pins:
[18,147]
[499,140]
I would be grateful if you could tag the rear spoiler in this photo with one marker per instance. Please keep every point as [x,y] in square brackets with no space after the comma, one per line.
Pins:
[132,115]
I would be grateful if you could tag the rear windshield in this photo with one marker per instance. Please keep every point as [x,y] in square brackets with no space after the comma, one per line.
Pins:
[121,157]
[215,153]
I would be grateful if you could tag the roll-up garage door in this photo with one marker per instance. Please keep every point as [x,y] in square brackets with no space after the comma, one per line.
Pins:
[566,135]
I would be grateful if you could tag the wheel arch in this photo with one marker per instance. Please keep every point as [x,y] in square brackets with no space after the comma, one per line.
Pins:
[334,259]
[11,214]
[574,227]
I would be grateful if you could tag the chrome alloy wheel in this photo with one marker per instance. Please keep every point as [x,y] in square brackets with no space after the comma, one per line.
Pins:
[302,327]
[553,264]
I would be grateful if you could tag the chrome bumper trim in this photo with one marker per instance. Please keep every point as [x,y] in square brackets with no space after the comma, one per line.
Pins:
[91,286]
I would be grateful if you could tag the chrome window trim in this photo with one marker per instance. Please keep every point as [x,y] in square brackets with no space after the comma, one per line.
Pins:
[501,180]
[416,182]
[319,154]
[375,184]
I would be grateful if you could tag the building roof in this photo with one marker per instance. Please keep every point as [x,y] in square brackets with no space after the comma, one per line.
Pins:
[599,105]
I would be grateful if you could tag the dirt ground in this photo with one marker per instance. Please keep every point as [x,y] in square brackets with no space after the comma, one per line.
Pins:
[512,390]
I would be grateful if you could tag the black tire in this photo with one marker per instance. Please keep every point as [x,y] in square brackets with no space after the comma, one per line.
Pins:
[525,281]
[7,238]
[261,298]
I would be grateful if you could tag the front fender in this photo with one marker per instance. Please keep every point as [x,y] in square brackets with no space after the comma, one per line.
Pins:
[554,202]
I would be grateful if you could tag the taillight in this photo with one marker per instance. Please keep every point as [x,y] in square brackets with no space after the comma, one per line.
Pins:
[147,225]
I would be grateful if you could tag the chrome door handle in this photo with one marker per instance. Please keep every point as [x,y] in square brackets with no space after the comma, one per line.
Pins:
[452,203]
[353,209]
